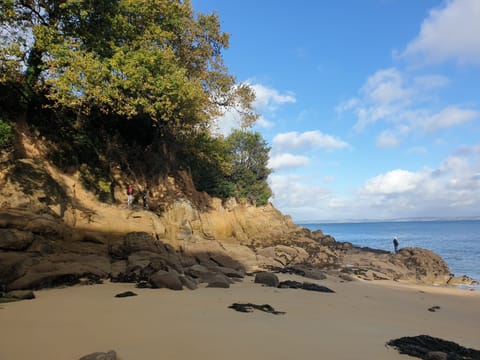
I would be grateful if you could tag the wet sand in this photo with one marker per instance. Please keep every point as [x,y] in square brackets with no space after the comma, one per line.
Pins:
[353,323]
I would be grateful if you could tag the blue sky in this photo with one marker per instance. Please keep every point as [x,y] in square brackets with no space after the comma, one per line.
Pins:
[371,107]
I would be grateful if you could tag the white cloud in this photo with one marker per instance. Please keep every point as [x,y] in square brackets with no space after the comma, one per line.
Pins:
[268,99]
[417,150]
[228,122]
[395,181]
[309,139]
[451,189]
[448,117]
[448,33]
[298,198]
[385,87]
[388,139]
[428,82]
[287,161]
[405,104]
[263,123]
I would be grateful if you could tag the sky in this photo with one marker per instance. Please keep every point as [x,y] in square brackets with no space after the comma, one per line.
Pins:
[371,108]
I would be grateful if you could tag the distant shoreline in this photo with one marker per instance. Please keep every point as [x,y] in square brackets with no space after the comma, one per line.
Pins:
[361,221]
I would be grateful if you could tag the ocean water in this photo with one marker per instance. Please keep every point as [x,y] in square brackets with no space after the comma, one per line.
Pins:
[457,242]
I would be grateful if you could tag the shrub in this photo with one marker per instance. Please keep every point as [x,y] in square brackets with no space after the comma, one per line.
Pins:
[6,134]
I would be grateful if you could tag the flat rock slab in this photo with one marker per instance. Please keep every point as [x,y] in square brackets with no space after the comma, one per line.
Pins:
[17,295]
[111,355]
[249,307]
[125,294]
[291,284]
[428,347]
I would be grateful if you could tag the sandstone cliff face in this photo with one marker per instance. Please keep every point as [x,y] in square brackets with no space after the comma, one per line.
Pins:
[53,231]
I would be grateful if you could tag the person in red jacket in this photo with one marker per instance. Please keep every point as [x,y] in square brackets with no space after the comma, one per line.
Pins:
[130,194]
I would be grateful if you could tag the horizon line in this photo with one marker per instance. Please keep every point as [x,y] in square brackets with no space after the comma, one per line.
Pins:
[418,219]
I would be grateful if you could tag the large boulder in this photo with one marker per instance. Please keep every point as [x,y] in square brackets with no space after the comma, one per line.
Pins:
[267,278]
[13,239]
[426,266]
[218,281]
[62,269]
[165,279]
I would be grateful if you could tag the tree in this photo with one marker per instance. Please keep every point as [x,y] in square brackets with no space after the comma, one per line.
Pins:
[128,58]
[249,153]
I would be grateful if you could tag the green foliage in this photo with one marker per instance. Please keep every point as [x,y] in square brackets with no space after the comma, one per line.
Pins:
[249,154]
[94,181]
[209,161]
[232,166]
[114,81]
[6,134]
[125,57]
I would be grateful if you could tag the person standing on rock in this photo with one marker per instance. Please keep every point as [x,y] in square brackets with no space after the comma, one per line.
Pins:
[130,194]
[395,244]
[144,197]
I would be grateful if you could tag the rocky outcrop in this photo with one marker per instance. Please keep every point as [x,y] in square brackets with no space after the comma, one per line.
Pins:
[40,251]
[53,232]
[409,264]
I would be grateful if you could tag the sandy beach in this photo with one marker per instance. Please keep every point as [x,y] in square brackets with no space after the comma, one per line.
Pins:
[355,322]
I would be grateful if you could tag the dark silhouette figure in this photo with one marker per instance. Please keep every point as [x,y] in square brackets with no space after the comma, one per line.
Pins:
[395,245]
[144,198]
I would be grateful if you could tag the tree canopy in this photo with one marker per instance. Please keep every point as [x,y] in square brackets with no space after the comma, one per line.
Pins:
[125,57]
[147,75]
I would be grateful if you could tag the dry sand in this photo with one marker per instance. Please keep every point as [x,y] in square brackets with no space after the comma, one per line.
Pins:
[353,323]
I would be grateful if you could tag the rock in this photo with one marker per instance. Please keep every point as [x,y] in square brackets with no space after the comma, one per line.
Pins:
[290,284]
[165,279]
[315,287]
[249,307]
[434,308]
[111,355]
[218,281]
[345,277]
[327,240]
[13,239]
[118,269]
[427,266]
[125,294]
[188,282]
[140,241]
[300,270]
[461,280]
[16,295]
[232,273]
[14,265]
[436,355]
[419,346]
[267,278]
[143,285]
[21,294]
[62,269]
[284,255]
[197,271]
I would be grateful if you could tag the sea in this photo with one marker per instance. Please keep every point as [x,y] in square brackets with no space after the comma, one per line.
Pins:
[457,242]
